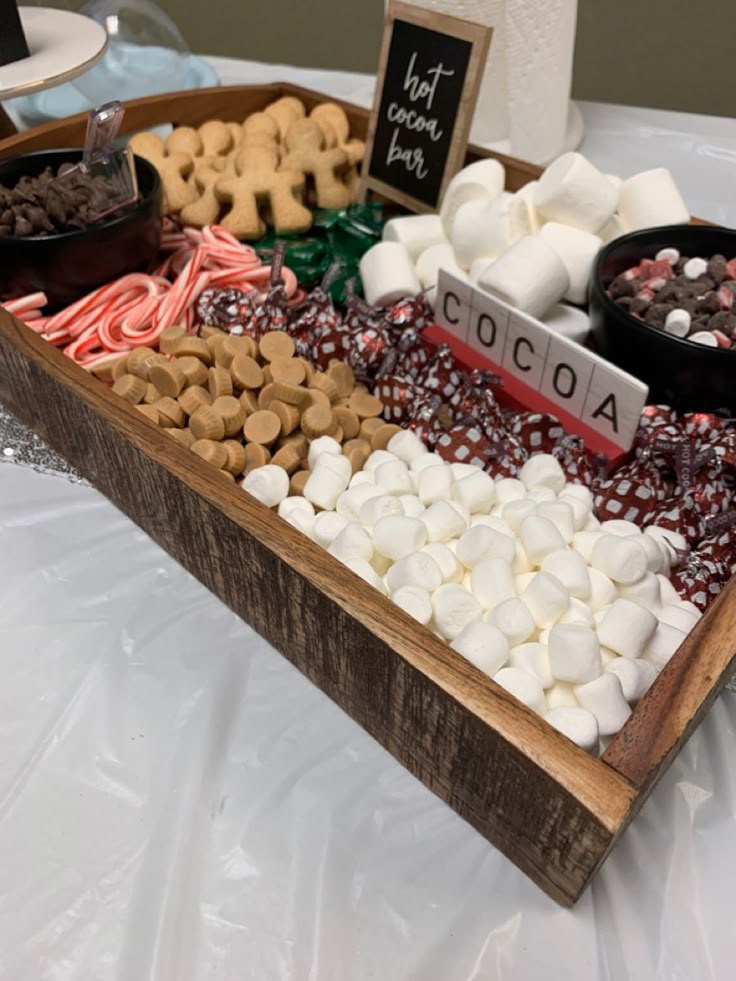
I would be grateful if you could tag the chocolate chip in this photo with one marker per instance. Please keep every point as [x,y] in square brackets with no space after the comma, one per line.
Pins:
[621,287]
[723,321]
[639,304]
[708,303]
[657,313]
[624,302]
[717,268]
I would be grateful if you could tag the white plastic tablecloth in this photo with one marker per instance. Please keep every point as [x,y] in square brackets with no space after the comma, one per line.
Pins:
[177,802]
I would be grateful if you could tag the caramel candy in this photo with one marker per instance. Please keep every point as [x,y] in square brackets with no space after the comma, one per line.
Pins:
[246,372]
[365,405]
[262,427]
[249,402]
[150,412]
[195,371]
[380,438]
[318,420]
[290,371]
[141,360]
[266,396]
[358,444]
[357,459]
[205,423]
[287,457]
[347,421]
[169,337]
[183,436]
[220,382]
[226,474]
[298,482]
[119,367]
[211,451]
[370,426]
[232,412]
[291,394]
[130,387]
[168,378]
[214,342]
[255,456]
[318,397]
[152,394]
[309,370]
[267,376]
[297,440]
[210,330]
[170,412]
[338,434]
[276,344]
[343,377]
[235,345]
[195,347]
[236,458]
[324,383]
[192,398]
[289,415]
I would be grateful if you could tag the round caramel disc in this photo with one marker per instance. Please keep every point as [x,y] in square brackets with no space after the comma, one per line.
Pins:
[343,377]
[381,437]
[290,371]
[262,427]
[365,405]
[347,421]
[318,420]
[255,456]
[246,372]
[298,482]
[276,344]
[168,378]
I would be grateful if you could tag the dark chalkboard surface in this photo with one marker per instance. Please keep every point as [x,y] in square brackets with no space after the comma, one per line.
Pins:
[13,44]
[428,80]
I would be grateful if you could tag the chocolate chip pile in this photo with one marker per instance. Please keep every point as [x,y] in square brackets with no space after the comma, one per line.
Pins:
[44,205]
[690,297]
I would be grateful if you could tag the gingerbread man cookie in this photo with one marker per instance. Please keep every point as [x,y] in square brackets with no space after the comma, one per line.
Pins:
[304,144]
[173,168]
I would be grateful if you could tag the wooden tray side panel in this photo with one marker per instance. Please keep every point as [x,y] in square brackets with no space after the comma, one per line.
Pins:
[507,795]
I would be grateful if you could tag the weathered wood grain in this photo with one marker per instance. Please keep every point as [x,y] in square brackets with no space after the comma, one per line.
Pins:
[551,809]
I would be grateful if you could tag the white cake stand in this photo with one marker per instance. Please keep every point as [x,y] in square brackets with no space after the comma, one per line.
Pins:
[63,45]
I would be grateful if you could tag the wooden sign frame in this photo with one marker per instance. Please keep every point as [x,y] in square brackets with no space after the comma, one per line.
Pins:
[479,37]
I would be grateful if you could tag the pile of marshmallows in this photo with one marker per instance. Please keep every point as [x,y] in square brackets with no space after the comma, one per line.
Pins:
[573,617]
[531,249]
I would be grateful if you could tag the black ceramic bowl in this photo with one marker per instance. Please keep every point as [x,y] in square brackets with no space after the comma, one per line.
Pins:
[680,373]
[69,265]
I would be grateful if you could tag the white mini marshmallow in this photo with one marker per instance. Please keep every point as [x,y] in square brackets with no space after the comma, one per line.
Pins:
[268,484]
[577,723]
[521,561]
[480,180]
[534,659]
[675,616]
[424,460]
[411,505]
[560,694]
[581,510]
[323,444]
[476,491]
[574,653]
[302,520]
[291,504]
[620,527]
[626,628]
[541,495]
[418,569]
[374,508]
[664,642]
[452,571]
[539,536]
[327,526]
[655,552]
[523,579]
[523,686]
[483,645]
[604,697]
[460,470]
[366,572]
[574,192]
[578,612]
[645,591]
[622,559]
[577,249]
[492,582]
[677,322]
[339,465]
[435,484]
[415,232]
[650,199]
[443,522]
[513,619]
[691,607]
[376,458]
[397,536]
[351,500]
[361,477]
[454,608]
[571,569]
[529,276]
[353,542]
[670,596]
[324,486]
[608,655]
[415,601]
[672,541]
[387,273]
[704,337]
[515,512]
[561,515]
[592,524]
[546,598]
[485,229]
[602,589]
[635,675]
[407,446]
[570,322]
[393,477]
[381,563]
[481,542]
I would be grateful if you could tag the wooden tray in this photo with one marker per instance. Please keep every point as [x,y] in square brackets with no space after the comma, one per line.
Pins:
[548,806]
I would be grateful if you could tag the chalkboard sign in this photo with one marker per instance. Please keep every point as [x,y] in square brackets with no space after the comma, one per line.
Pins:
[428,79]
[13,45]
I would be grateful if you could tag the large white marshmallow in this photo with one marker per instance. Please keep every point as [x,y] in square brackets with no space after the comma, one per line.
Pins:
[578,250]
[571,569]
[621,559]
[574,653]
[387,272]
[268,484]
[578,724]
[529,276]
[523,686]
[626,628]
[534,659]
[570,322]
[415,232]
[539,536]
[415,601]
[513,619]
[418,569]
[454,608]
[479,180]
[635,675]
[574,192]
[397,536]
[481,542]
[431,262]
[662,645]
[483,645]
[650,199]
[604,697]
[485,229]
[546,598]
